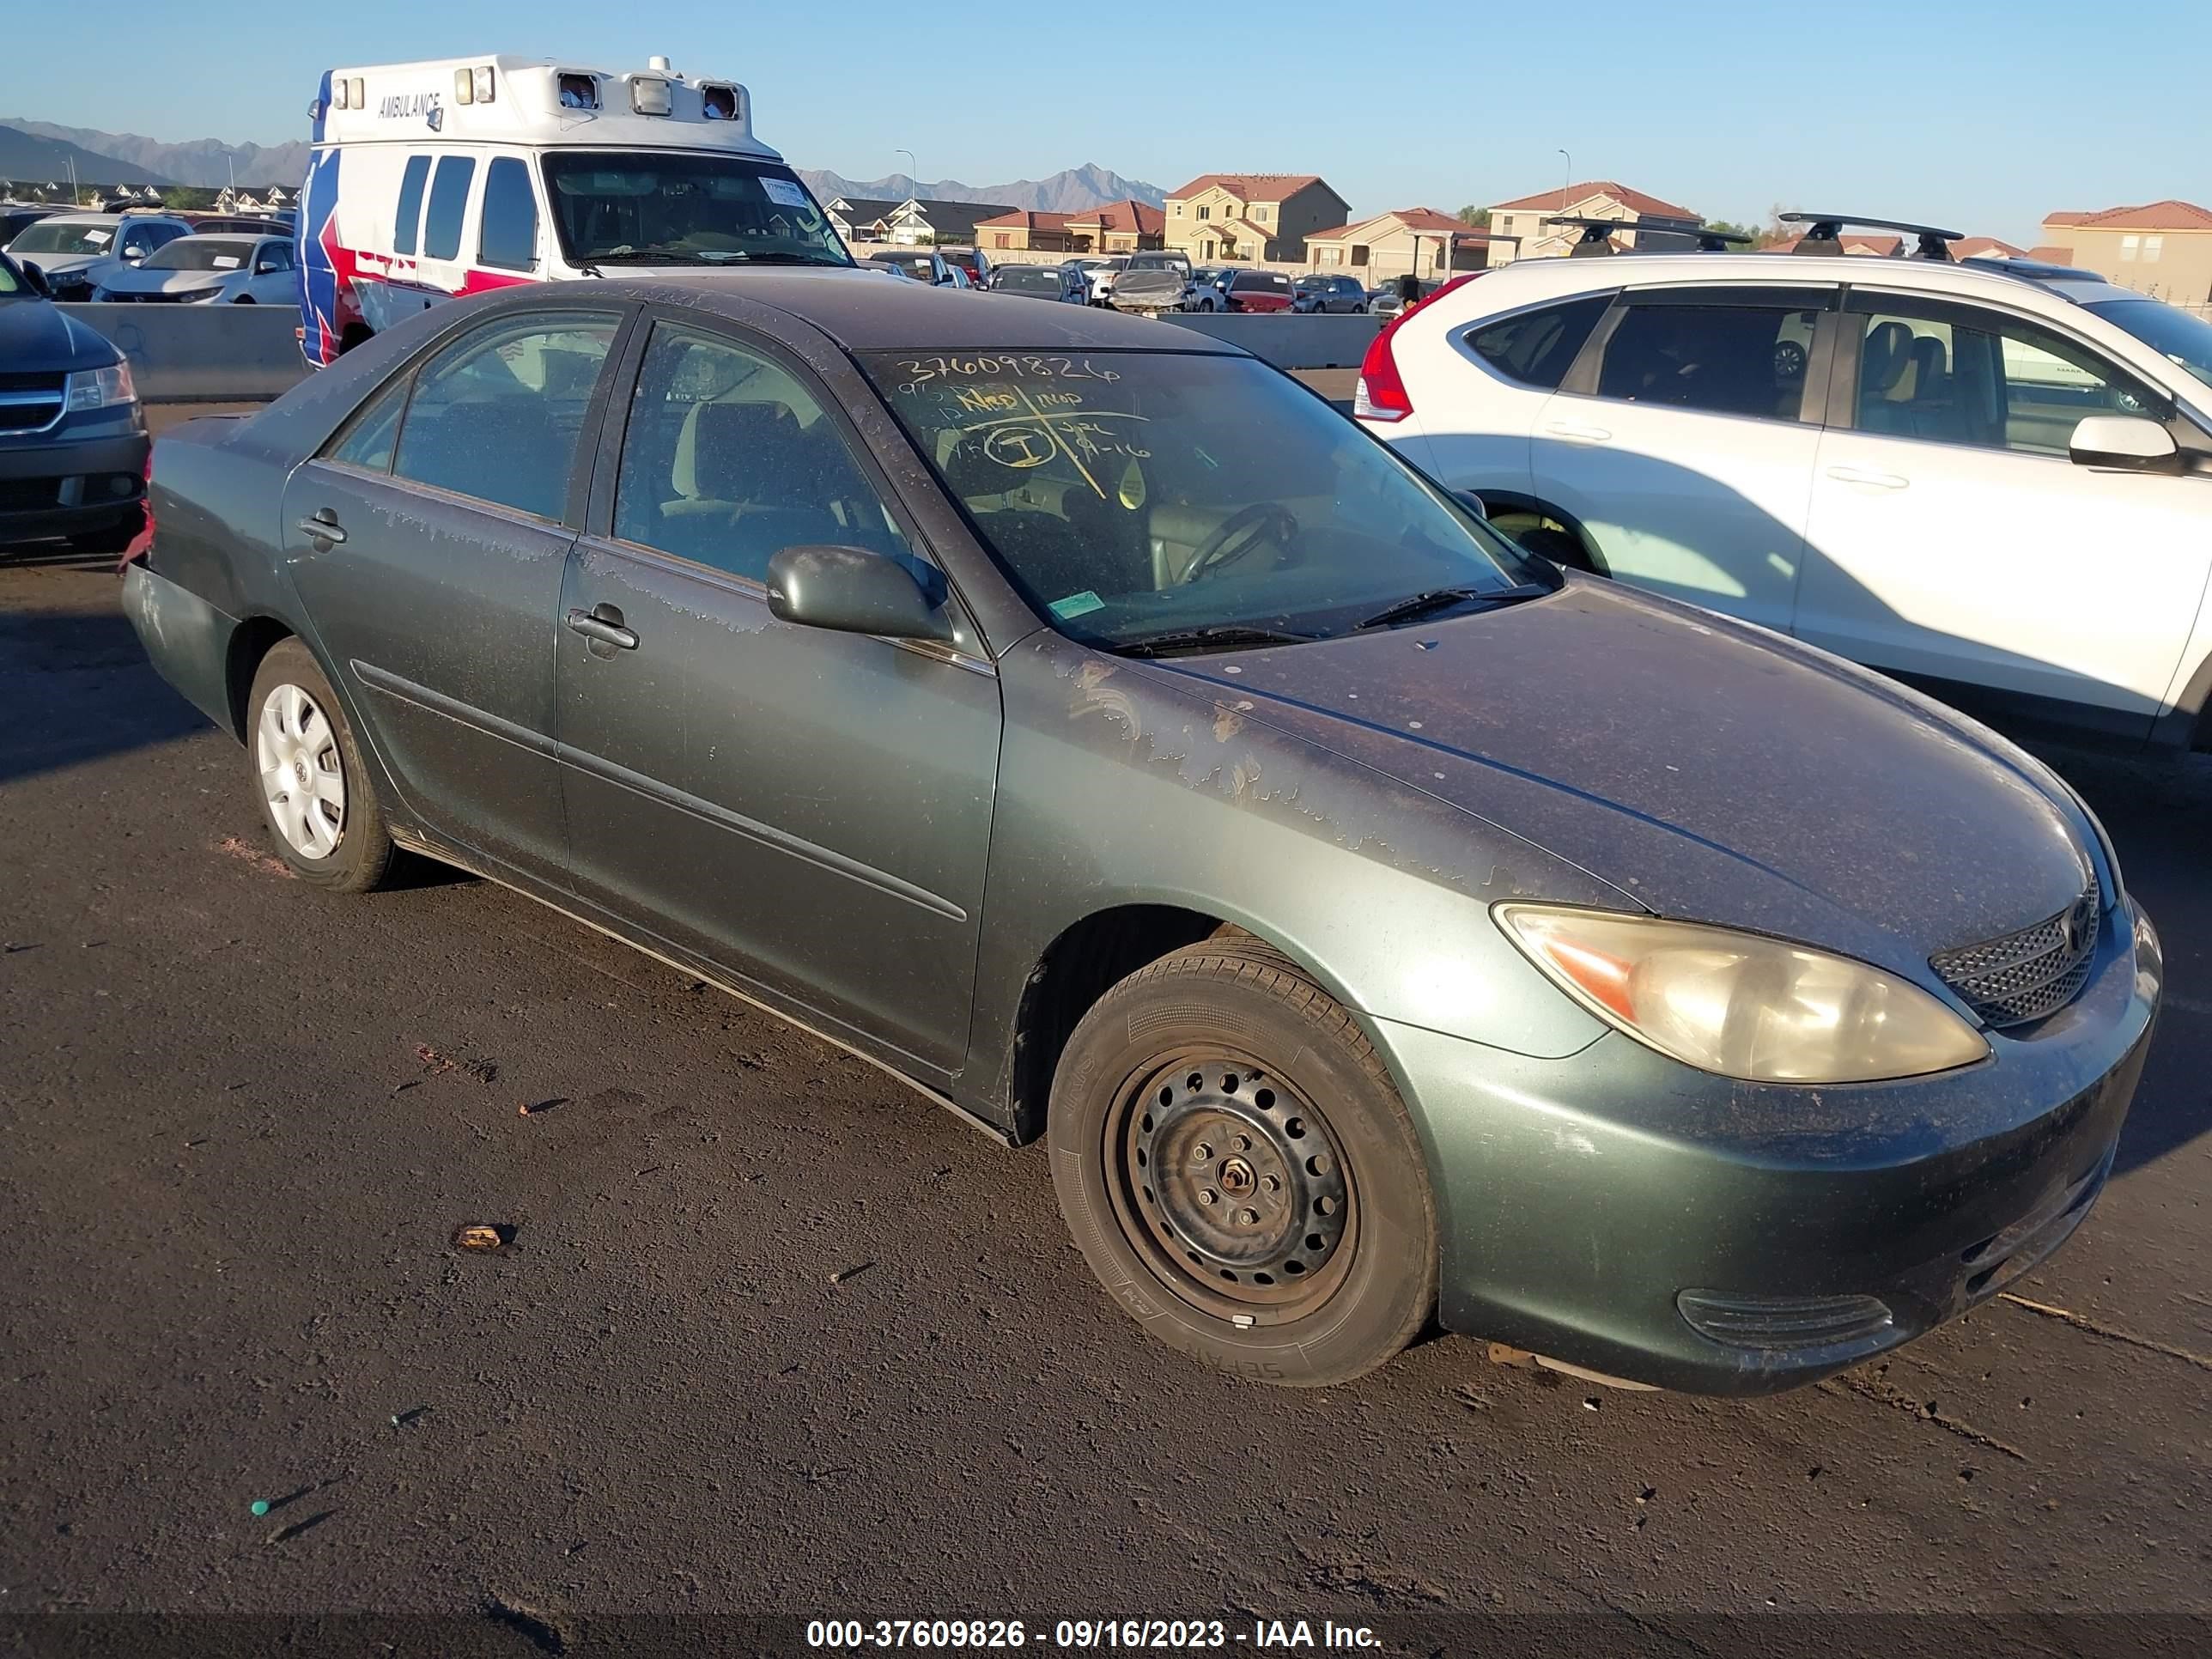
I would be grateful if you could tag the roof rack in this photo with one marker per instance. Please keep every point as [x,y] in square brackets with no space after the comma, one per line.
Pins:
[1595,241]
[1824,233]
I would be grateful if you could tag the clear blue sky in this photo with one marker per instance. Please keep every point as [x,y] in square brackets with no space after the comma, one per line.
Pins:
[1984,113]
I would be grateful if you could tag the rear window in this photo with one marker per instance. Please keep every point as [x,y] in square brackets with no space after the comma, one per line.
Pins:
[449,204]
[1271,279]
[1537,347]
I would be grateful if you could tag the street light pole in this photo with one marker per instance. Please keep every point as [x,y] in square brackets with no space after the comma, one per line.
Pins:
[912,176]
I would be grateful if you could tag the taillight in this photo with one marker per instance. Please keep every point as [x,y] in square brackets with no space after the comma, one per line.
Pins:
[1380,395]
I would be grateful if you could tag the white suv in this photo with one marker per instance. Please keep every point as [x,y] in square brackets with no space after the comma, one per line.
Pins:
[1994,476]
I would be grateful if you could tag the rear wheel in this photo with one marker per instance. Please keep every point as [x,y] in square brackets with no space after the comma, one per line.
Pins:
[1545,537]
[309,777]
[1239,1171]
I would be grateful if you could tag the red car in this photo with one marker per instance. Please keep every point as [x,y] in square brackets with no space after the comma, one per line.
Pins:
[1244,290]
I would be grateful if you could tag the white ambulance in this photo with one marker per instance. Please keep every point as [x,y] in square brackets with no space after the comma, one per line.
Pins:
[434,180]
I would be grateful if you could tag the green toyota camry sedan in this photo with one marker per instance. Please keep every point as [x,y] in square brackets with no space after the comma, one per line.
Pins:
[1076,717]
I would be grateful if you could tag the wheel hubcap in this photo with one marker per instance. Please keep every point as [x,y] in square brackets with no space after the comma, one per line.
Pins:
[1233,1187]
[302,778]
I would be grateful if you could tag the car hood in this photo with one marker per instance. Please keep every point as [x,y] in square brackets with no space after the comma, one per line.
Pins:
[55,264]
[39,337]
[137,279]
[1709,770]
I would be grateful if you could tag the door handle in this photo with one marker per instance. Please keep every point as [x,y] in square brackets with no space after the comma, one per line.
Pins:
[1578,431]
[1858,475]
[603,625]
[323,529]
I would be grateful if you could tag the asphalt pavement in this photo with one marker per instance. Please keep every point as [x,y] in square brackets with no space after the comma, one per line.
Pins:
[769,1334]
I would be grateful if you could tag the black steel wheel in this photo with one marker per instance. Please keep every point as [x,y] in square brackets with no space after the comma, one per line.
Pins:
[1239,1171]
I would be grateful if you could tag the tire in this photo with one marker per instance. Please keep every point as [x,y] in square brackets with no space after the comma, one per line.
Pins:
[243,299]
[1338,1272]
[1561,547]
[293,726]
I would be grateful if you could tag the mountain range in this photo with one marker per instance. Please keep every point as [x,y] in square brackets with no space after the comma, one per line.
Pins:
[42,150]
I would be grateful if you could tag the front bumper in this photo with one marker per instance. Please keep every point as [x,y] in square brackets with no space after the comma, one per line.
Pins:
[62,484]
[1594,1206]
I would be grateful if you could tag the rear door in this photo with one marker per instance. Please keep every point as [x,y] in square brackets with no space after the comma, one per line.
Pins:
[1953,539]
[1683,440]
[455,492]
[810,810]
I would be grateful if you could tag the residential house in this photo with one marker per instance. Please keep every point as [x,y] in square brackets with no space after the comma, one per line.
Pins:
[1885,246]
[849,216]
[1024,231]
[916,222]
[1418,241]
[1518,230]
[2162,249]
[1125,227]
[1250,215]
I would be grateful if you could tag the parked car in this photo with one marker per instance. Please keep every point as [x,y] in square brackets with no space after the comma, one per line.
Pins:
[1055,282]
[923,265]
[1646,991]
[1899,460]
[1319,294]
[1150,290]
[1099,271]
[220,270]
[1238,289]
[72,435]
[1106,271]
[73,250]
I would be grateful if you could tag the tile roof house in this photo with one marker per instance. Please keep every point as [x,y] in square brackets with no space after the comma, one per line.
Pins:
[1219,216]
[1519,224]
[2162,249]
[1122,227]
[1024,230]
[1419,241]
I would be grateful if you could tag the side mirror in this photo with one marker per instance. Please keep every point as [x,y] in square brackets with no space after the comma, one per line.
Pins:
[1472,503]
[36,277]
[852,591]
[2133,442]
[264,267]
[132,256]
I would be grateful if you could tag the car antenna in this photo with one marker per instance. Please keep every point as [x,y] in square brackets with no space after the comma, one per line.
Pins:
[1824,234]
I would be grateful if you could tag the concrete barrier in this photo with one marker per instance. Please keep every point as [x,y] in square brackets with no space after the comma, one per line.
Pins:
[203,353]
[1289,340]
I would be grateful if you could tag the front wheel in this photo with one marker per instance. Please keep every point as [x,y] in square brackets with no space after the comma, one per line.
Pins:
[1239,1171]
[308,774]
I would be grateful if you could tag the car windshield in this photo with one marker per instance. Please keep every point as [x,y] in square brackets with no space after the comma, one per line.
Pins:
[2175,335]
[62,236]
[1141,495]
[200,253]
[690,208]
[1027,279]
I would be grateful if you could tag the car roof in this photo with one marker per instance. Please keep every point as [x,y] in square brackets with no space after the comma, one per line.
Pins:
[874,315]
[1528,280]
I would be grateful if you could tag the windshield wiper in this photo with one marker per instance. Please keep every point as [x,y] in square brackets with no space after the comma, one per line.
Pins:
[1444,599]
[1223,637]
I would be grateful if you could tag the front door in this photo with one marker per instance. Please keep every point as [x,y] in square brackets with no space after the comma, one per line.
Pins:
[1953,539]
[1685,455]
[809,810]
[438,608]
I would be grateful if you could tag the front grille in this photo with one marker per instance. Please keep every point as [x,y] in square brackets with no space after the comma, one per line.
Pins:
[29,410]
[44,379]
[2026,975]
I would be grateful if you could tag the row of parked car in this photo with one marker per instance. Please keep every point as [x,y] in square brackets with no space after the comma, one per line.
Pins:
[1149,282]
[139,255]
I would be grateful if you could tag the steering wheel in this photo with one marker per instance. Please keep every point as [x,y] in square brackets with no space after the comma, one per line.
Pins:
[1789,360]
[1238,535]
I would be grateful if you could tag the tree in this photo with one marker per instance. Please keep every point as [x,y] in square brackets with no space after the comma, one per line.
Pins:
[1730,228]
[1477,216]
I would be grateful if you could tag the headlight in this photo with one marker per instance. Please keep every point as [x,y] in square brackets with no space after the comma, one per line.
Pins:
[100,388]
[1739,1005]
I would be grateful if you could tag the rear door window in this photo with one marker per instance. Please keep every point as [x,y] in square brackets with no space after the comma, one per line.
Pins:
[1740,359]
[495,415]
[449,205]
[409,215]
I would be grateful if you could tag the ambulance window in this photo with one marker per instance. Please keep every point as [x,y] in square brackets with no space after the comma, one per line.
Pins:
[449,204]
[509,238]
[411,203]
